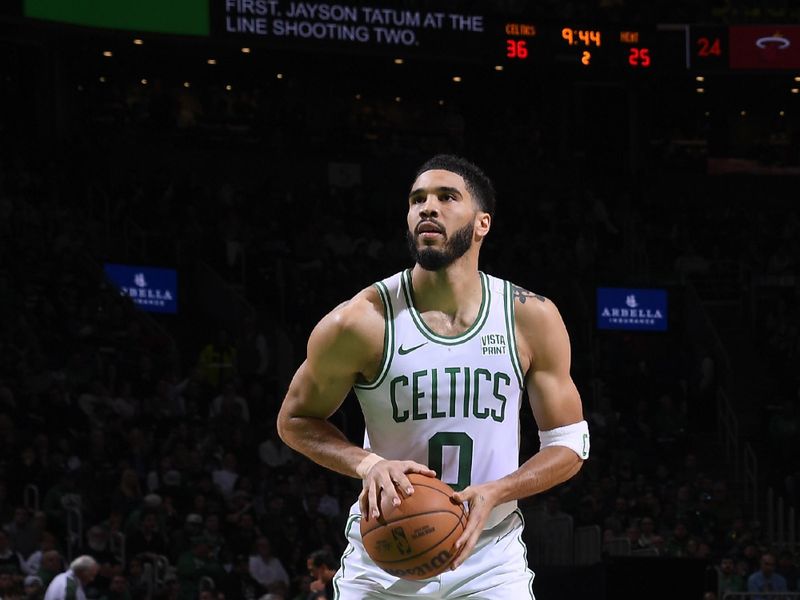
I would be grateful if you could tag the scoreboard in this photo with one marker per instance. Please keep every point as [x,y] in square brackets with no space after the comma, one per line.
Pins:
[437,31]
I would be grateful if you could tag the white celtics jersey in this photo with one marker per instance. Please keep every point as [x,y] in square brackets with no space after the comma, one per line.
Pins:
[451,403]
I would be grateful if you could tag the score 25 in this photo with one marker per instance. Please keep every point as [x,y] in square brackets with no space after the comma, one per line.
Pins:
[639,57]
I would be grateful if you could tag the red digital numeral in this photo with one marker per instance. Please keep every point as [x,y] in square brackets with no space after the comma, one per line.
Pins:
[709,48]
[516,49]
[639,57]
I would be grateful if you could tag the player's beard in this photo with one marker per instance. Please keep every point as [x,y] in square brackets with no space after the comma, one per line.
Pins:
[435,259]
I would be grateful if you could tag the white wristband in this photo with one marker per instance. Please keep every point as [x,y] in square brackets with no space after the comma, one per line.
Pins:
[366,464]
[574,436]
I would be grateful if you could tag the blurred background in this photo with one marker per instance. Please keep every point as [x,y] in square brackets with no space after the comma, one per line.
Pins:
[186,188]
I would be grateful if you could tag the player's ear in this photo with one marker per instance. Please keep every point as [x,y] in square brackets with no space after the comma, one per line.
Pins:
[483,223]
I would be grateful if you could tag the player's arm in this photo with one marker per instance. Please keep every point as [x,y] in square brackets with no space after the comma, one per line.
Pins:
[544,349]
[346,345]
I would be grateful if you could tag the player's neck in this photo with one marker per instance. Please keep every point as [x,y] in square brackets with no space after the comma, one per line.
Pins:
[453,290]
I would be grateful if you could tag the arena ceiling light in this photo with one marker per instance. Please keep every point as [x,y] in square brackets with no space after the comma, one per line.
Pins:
[398,61]
[186,84]
[279,75]
[143,81]
[700,78]
[796,90]
[700,90]
[228,87]
[211,61]
[245,50]
[108,53]
[498,67]
[138,41]
[456,78]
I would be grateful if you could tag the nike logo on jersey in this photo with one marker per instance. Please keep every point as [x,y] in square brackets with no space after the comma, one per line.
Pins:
[403,351]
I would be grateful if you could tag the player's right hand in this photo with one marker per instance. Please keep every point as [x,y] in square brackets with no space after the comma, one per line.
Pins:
[381,484]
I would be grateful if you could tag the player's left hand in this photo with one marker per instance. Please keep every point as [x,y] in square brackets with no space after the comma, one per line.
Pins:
[480,500]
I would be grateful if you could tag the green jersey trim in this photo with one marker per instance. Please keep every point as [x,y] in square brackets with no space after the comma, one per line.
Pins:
[388,339]
[480,320]
[348,551]
[508,299]
[525,553]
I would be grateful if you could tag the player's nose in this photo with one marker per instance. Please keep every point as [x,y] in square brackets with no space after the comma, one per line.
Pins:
[430,207]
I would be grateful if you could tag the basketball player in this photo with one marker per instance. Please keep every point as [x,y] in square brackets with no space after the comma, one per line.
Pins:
[439,356]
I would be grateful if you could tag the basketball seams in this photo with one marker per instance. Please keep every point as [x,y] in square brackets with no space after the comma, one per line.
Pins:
[461,515]
[406,517]
[422,552]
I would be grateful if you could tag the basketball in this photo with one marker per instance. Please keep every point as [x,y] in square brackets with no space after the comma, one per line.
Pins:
[416,539]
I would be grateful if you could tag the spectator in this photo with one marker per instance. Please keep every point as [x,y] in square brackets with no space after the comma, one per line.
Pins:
[181,539]
[230,404]
[52,564]
[137,583]
[322,566]
[33,588]
[788,569]
[10,587]
[11,562]
[147,539]
[264,567]
[128,495]
[766,579]
[677,544]
[70,585]
[117,589]
[217,361]
[196,564]
[239,583]
[728,580]
[46,542]
[226,476]
[97,546]
[23,533]
[273,452]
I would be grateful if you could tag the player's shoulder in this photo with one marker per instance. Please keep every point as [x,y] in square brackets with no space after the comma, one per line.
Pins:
[538,324]
[365,306]
[357,320]
[531,308]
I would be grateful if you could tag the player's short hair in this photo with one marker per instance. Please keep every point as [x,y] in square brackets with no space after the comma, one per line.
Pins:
[323,557]
[478,184]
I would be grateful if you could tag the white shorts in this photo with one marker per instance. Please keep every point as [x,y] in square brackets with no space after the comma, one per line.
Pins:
[497,569]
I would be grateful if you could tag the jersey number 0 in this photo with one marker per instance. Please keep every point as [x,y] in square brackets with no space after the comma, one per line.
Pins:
[457,439]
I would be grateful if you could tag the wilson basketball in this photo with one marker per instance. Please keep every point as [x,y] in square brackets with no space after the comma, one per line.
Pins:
[416,539]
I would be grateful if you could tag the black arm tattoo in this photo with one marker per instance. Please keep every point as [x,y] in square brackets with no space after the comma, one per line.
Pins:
[522,294]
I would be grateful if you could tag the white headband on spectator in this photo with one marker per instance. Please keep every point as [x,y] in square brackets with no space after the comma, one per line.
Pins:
[574,436]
